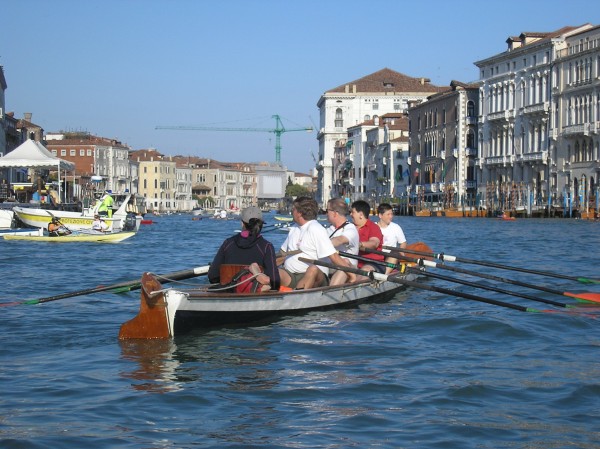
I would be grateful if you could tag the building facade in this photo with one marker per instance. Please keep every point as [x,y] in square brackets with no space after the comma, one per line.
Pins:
[356,102]
[574,158]
[530,122]
[443,149]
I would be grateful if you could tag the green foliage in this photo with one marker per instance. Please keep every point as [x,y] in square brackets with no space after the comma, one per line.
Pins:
[295,190]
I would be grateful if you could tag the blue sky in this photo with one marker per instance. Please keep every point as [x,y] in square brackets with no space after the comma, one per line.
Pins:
[119,68]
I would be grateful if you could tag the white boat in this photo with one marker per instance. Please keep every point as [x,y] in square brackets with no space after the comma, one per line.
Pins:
[22,232]
[170,312]
[39,218]
[6,218]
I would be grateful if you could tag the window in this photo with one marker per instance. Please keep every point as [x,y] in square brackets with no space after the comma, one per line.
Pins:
[339,118]
[63,152]
[375,105]
[470,109]
[367,118]
[89,153]
[396,106]
[82,152]
[470,139]
[53,152]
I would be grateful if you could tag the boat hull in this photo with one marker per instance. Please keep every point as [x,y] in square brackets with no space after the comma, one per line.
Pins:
[22,232]
[73,238]
[180,311]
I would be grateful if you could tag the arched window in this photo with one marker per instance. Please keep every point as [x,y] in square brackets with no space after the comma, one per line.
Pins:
[470,108]
[339,118]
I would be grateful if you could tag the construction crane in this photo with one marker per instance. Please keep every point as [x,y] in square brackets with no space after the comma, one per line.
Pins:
[278,131]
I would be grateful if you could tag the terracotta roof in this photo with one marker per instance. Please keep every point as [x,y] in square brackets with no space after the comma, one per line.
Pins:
[387,80]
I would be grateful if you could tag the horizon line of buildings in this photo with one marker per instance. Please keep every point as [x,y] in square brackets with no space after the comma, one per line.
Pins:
[525,136]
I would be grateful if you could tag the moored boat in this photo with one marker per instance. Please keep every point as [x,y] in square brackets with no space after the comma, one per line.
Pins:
[22,232]
[170,312]
[108,237]
[39,218]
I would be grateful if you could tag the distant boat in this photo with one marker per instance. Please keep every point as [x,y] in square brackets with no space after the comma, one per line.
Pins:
[283,218]
[121,219]
[110,237]
[22,231]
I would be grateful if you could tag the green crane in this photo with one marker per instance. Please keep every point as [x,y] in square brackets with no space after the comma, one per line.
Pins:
[278,131]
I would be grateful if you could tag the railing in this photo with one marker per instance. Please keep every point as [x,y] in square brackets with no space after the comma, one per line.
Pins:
[497,160]
[536,108]
[583,128]
[538,156]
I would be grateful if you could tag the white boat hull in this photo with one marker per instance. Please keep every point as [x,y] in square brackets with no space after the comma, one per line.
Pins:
[6,218]
[166,313]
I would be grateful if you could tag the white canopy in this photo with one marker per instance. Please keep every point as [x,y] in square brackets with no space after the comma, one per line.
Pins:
[34,155]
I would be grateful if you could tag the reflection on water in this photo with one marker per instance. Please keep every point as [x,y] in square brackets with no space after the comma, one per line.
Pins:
[154,367]
[165,365]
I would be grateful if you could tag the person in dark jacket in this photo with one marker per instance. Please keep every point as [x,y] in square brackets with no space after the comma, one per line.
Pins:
[250,248]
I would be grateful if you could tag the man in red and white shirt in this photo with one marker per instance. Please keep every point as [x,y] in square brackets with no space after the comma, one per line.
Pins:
[369,235]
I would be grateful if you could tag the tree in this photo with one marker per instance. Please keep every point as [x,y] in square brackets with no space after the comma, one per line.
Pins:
[296,190]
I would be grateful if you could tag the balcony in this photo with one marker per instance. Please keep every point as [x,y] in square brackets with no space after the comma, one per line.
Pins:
[574,130]
[501,115]
[538,108]
[471,120]
[372,167]
[538,156]
[499,160]
[471,152]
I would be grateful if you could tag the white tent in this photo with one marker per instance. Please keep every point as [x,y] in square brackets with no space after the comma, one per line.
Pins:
[32,154]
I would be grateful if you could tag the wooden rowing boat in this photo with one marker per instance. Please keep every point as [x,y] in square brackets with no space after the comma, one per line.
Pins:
[110,237]
[167,313]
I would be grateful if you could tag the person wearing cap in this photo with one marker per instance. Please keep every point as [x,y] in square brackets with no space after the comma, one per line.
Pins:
[106,204]
[249,248]
[56,228]
[99,224]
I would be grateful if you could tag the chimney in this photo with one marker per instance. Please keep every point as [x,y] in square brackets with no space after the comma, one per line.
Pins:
[346,89]
[27,116]
[354,88]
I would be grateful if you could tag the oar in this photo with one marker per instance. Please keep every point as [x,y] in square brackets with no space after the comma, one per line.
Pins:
[586,297]
[399,280]
[449,258]
[403,268]
[120,287]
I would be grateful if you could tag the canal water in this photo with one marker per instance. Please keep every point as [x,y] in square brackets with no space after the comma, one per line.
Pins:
[423,370]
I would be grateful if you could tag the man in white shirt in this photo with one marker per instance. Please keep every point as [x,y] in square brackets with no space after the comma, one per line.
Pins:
[392,232]
[99,224]
[312,239]
[344,236]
